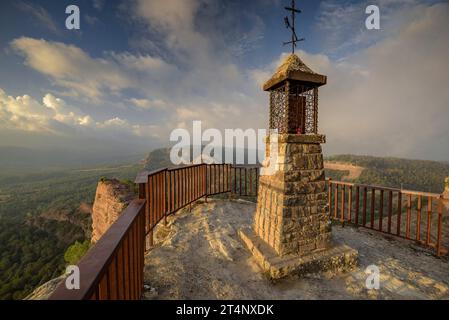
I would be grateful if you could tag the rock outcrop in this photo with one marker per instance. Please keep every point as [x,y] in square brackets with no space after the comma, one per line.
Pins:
[111,198]
[44,291]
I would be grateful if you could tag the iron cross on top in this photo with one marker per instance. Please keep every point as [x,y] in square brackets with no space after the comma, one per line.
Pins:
[291,26]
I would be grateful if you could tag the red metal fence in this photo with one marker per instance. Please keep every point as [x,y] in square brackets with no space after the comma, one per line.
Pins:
[113,268]
[411,215]
[169,190]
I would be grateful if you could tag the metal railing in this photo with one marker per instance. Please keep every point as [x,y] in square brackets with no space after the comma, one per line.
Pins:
[170,190]
[412,215]
[113,268]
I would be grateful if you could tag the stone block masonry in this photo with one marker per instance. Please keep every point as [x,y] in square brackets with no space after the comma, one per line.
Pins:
[291,232]
[292,229]
[336,259]
[292,206]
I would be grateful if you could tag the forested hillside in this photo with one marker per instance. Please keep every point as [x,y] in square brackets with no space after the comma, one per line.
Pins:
[418,175]
[41,215]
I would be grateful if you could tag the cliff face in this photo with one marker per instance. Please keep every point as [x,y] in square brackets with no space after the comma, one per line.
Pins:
[111,198]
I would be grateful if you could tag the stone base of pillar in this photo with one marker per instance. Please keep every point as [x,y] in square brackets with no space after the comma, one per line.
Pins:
[336,259]
[292,232]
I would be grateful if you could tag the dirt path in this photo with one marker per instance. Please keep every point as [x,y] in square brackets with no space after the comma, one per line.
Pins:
[199,256]
[354,171]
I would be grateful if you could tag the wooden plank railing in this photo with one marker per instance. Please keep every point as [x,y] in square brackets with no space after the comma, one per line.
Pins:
[412,215]
[113,268]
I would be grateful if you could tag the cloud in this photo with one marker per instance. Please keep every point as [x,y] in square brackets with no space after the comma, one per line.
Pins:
[54,115]
[91,20]
[40,14]
[98,4]
[212,90]
[22,113]
[148,104]
[341,23]
[71,67]
[208,82]
[200,75]
[86,77]
[387,90]
[391,98]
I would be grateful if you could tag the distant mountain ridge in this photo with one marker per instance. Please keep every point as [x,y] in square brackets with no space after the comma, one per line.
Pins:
[160,158]
[420,175]
[16,159]
[34,207]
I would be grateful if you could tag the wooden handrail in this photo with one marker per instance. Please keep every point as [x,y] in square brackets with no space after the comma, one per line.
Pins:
[113,268]
[94,266]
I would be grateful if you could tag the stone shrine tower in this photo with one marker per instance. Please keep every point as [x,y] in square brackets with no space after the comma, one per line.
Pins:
[291,233]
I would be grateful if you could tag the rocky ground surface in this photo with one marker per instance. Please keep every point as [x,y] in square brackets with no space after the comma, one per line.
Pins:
[44,291]
[199,256]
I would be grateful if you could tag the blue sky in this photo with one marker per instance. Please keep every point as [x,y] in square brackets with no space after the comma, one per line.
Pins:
[138,69]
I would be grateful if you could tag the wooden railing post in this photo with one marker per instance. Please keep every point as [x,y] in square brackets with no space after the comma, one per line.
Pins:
[342,209]
[365,192]
[418,218]
[329,196]
[381,210]
[357,205]
[150,205]
[409,216]
[206,182]
[336,202]
[350,204]
[440,226]
[165,195]
[373,202]
[398,227]
[429,220]
[390,209]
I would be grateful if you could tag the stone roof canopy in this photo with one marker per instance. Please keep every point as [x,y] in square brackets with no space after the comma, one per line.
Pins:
[293,68]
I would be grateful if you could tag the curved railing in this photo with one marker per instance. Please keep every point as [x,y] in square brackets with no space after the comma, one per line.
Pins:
[113,268]
[170,190]
[411,215]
